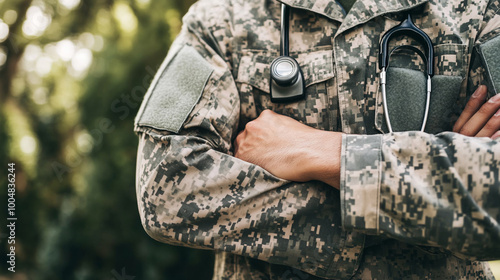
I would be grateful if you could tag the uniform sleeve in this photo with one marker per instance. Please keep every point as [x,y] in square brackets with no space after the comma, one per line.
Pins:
[435,190]
[192,192]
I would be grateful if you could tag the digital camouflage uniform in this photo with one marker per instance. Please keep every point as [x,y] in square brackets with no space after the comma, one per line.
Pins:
[411,205]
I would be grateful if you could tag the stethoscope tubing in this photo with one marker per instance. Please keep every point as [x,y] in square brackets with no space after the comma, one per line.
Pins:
[383,81]
[285,26]
[406,27]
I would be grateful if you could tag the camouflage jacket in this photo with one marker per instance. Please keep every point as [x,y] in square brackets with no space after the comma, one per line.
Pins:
[412,205]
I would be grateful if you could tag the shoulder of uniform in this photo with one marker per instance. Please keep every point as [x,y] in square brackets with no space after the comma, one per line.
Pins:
[209,12]
[213,12]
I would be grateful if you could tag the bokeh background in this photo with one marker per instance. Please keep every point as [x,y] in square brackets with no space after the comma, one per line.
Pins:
[72,76]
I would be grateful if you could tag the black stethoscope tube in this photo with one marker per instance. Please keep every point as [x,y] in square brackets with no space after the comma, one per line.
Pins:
[285,26]
[408,28]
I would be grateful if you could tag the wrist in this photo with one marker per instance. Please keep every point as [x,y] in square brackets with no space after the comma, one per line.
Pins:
[324,161]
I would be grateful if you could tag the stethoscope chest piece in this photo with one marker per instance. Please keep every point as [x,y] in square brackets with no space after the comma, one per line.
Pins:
[287,81]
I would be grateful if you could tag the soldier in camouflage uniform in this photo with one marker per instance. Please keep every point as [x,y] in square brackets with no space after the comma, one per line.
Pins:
[405,205]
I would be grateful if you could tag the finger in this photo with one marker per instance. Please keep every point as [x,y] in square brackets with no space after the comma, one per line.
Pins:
[481,117]
[235,147]
[237,141]
[496,135]
[491,127]
[477,99]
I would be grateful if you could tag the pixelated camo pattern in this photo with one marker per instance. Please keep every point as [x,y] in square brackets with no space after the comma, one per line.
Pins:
[411,206]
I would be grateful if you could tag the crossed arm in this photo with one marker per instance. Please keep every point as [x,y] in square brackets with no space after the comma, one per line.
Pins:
[296,152]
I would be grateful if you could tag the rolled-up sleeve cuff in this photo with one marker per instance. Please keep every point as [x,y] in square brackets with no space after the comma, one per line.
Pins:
[360,177]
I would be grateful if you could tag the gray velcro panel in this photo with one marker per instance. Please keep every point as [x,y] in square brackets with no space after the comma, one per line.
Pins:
[490,51]
[444,95]
[406,97]
[173,94]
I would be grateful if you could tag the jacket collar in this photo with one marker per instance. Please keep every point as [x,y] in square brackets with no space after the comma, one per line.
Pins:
[328,8]
[361,12]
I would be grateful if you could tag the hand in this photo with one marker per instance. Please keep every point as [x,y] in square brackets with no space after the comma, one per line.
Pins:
[480,118]
[290,150]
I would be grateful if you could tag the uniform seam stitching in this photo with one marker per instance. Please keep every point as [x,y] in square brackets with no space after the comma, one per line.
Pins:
[340,77]
[379,182]
[344,163]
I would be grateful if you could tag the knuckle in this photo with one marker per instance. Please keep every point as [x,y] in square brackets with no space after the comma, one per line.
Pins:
[466,132]
[266,113]
[240,138]
[491,126]
[255,126]
[471,105]
[251,125]
[486,108]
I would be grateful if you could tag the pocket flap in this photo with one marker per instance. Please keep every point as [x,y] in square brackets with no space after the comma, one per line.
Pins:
[317,66]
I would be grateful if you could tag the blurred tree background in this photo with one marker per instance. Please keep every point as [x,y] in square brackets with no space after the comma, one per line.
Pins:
[72,76]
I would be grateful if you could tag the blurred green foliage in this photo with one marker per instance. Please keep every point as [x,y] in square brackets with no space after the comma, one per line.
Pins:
[72,74]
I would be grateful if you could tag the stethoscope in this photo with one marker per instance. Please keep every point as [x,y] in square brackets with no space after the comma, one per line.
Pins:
[287,80]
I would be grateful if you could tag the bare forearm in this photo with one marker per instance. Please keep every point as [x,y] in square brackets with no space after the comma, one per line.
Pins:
[291,150]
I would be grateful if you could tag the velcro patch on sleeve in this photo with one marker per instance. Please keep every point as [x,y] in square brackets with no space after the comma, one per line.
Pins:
[175,91]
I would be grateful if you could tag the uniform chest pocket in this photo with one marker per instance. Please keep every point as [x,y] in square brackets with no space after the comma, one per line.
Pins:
[406,91]
[253,78]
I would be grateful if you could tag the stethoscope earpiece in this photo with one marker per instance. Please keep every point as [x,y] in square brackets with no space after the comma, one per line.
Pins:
[287,80]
